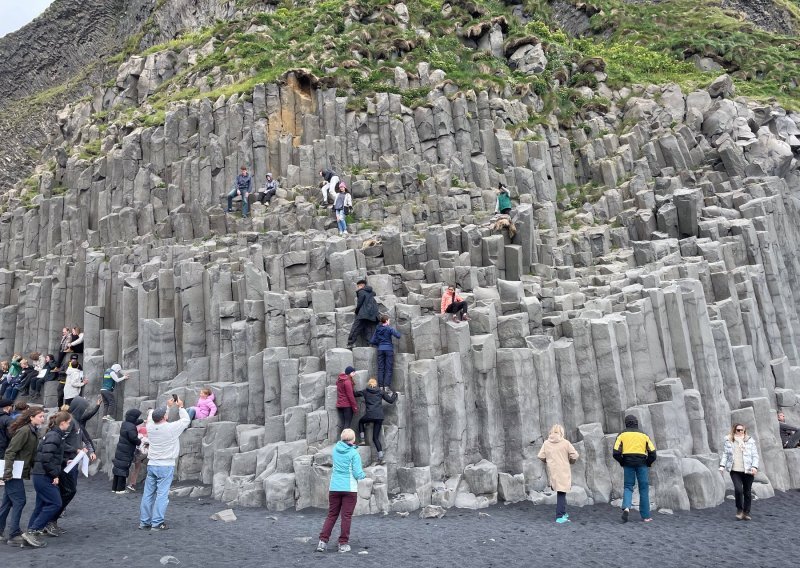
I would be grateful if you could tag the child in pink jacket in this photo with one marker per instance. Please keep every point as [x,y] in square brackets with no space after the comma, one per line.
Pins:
[205,407]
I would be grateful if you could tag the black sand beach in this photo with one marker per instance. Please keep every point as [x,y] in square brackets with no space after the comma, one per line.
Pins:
[102,532]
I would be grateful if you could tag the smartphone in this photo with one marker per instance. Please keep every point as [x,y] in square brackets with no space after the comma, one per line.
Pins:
[175,397]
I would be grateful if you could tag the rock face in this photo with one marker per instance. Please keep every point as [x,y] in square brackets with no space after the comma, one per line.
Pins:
[674,297]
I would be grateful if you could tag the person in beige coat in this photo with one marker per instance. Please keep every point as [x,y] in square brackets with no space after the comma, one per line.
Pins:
[559,454]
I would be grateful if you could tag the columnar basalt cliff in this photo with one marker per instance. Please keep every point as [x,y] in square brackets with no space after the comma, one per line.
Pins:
[670,290]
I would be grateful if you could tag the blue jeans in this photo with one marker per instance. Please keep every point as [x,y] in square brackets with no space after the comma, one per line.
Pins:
[245,204]
[385,368]
[12,392]
[48,502]
[340,220]
[155,497]
[640,475]
[14,503]
[192,412]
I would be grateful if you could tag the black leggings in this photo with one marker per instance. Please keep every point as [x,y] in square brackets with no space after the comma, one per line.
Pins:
[67,487]
[742,484]
[457,308]
[118,483]
[345,417]
[561,504]
[376,431]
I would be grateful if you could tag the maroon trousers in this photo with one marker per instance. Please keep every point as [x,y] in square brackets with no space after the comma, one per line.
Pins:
[344,502]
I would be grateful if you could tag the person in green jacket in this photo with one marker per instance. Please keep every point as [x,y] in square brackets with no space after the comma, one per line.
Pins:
[22,448]
[503,200]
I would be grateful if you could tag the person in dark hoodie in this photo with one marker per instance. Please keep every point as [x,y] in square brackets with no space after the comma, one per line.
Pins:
[382,339]
[366,313]
[128,442]
[373,400]
[635,452]
[6,406]
[45,474]
[76,440]
[24,441]
[346,404]
[343,490]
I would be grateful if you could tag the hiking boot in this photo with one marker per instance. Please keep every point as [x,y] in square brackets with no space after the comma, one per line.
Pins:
[625,513]
[34,539]
[159,527]
[344,548]
[321,546]
[740,515]
[16,541]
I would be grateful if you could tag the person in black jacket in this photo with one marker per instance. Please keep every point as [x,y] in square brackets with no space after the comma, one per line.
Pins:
[373,400]
[366,314]
[37,384]
[76,439]
[126,447]
[45,472]
[5,421]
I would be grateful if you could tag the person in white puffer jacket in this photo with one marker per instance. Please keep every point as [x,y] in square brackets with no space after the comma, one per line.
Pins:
[740,458]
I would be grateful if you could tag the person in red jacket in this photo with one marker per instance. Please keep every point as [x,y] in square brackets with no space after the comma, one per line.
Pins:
[345,398]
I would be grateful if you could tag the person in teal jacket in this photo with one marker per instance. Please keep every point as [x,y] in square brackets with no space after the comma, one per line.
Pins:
[343,490]
[503,201]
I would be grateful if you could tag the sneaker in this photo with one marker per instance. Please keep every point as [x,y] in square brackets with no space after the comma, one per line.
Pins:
[465,317]
[143,527]
[740,515]
[229,211]
[321,546]
[344,234]
[52,529]
[33,538]
[747,517]
[625,513]
[344,548]
[130,489]
[562,520]
[160,527]
[108,418]
[16,541]
[648,520]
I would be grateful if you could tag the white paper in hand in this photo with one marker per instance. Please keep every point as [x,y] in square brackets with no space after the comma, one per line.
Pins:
[81,460]
[16,469]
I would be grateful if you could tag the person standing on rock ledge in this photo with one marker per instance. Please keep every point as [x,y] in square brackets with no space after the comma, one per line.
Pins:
[165,447]
[382,339]
[330,185]
[635,452]
[740,459]
[559,454]
[343,490]
[366,314]
[346,404]
[242,186]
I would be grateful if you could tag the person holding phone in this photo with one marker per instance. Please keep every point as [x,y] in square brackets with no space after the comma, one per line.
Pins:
[165,447]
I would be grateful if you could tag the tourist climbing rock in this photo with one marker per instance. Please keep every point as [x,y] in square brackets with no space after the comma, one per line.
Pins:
[373,414]
[346,405]
[111,377]
[382,339]
[330,185]
[341,207]
[503,205]
[366,314]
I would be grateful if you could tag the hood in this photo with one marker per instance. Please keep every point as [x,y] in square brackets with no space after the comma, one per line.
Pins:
[554,438]
[134,416]
[342,377]
[367,289]
[373,390]
[210,397]
[78,407]
[342,448]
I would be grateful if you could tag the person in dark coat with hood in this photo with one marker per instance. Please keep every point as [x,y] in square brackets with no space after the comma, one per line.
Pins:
[126,447]
[373,400]
[5,422]
[366,314]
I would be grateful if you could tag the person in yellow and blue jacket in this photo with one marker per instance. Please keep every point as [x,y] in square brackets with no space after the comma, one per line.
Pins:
[635,452]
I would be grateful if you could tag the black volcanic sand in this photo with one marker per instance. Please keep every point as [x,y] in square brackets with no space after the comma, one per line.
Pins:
[103,532]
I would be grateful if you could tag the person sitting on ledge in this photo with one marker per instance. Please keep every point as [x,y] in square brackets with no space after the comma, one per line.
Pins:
[454,304]
[790,435]
[205,407]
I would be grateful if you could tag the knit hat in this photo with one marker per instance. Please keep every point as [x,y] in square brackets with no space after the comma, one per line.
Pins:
[631,421]
[349,370]
[6,402]
[159,413]
[116,367]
